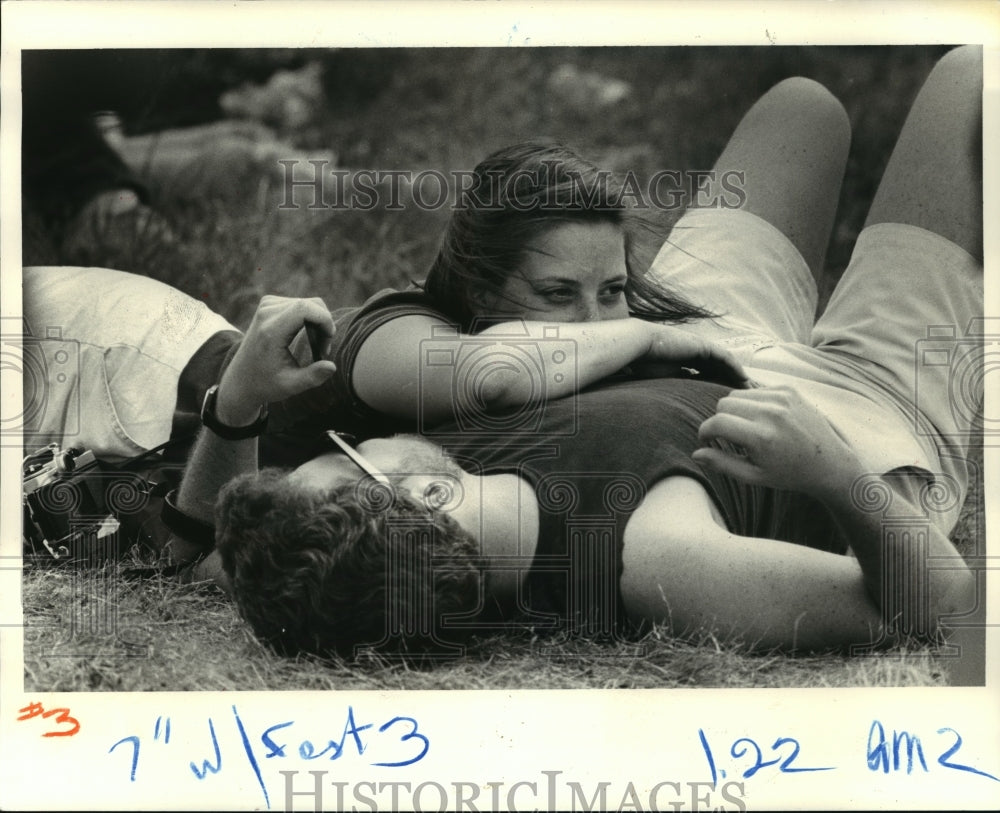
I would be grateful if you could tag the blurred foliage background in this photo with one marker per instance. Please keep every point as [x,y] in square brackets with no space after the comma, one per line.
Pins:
[443,109]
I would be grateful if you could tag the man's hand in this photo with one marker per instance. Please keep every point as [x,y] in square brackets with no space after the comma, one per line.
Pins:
[264,369]
[782,442]
[671,349]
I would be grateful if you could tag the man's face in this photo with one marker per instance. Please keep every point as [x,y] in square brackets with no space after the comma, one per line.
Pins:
[409,461]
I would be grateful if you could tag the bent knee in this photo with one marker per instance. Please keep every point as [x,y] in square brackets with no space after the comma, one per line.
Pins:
[964,63]
[811,102]
[964,56]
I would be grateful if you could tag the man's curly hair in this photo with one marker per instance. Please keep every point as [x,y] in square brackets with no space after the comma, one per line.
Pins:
[324,572]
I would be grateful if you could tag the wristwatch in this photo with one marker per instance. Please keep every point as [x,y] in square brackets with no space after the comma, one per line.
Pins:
[191,529]
[211,421]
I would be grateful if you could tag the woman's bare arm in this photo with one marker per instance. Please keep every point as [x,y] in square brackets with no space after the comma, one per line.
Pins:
[418,367]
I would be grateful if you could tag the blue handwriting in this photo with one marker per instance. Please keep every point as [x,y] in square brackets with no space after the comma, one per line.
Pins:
[903,751]
[395,743]
[786,748]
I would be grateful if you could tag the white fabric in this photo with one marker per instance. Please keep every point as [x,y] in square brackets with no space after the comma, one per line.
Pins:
[892,360]
[102,355]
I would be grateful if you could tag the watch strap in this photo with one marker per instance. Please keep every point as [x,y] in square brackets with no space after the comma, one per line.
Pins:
[210,420]
[193,530]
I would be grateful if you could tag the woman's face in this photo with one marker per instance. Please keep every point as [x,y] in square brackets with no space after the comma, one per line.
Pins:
[573,272]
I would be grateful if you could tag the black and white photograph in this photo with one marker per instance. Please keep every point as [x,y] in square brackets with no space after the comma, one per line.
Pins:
[482,404]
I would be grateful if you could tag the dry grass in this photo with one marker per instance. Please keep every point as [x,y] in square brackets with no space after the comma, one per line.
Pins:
[100,630]
[158,635]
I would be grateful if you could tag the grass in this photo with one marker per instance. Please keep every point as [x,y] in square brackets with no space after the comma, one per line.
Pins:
[94,631]
[98,629]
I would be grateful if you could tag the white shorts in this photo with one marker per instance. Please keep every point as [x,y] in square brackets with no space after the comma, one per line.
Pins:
[101,355]
[894,360]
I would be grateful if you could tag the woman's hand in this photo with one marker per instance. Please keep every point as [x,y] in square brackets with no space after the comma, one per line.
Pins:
[672,350]
[264,369]
[781,441]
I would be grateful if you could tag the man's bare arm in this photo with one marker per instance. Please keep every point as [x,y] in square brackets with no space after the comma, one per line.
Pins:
[212,464]
[693,574]
[938,584]
[262,371]
[789,445]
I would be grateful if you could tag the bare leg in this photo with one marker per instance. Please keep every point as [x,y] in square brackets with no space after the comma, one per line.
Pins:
[913,292]
[934,177]
[789,153]
[934,181]
[792,146]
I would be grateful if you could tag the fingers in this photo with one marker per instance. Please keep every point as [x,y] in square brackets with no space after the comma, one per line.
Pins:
[731,465]
[751,409]
[738,424]
[319,371]
[751,419]
[306,378]
[293,380]
[746,419]
[319,343]
[315,316]
[732,428]
[283,317]
[264,368]
[761,403]
[782,396]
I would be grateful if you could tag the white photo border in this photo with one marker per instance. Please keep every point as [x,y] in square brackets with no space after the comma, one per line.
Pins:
[639,739]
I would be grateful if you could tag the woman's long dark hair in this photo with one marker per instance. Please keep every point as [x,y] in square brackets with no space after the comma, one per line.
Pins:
[516,195]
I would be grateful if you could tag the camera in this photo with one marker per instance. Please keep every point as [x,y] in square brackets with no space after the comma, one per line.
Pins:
[470,361]
[964,361]
[75,510]
[49,367]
